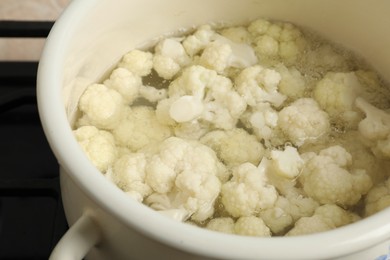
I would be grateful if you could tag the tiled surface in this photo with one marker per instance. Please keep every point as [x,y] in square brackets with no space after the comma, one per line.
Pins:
[27,49]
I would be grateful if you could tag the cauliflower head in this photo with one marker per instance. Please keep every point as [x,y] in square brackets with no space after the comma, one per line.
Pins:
[126,83]
[326,217]
[258,84]
[201,94]
[222,53]
[185,174]
[248,191]
[101,106]
[140,128]
[287,163]
[328,178]
[277,42]
[375,127]
[378,198]
[234,147]
[251,226]
[303,121]
[287,210]
[222,224]
[262,120]
[138,62]
[196,42]
[336,94]
[169,58]
[128,173]
[245,226]
[292,83]
[98,145]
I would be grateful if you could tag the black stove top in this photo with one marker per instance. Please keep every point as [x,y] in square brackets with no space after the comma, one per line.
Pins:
[31,214]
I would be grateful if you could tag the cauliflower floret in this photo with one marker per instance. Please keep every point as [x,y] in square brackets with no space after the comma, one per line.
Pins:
[245,226]
[257,84]
[292,44]
[292,83]
[276,42]
[129,85]
[251,226]
[98,145]
[140,128]
[356,145]
[170,56]
[378,198]
[128,173]
[248,191]
[287,163]
[223,53]
[335,215]
[201,94]
[165,67]
[173,156]
[309,225]
[282,170]
[262,120]
[216,56]
[101,106]
[138,62]
[327,178]
[126,83]
[375,127]
[193,129]
[259,27]
[287,210]
[303,121]
[198,192]
[266,36]
[336,94]
[277,219]
[325,218]
[223,224]
[267,48]
[172,48]
[364,158]
[234,147]
[196,42]
[185,173]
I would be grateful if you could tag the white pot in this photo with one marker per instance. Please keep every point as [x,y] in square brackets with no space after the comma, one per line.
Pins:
[89,39]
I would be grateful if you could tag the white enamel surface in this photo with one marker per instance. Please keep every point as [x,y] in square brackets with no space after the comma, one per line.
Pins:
[93,34]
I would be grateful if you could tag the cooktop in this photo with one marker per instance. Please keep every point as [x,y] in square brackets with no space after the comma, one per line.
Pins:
[31,215]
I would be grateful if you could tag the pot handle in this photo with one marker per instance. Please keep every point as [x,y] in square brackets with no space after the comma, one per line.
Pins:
[78,240]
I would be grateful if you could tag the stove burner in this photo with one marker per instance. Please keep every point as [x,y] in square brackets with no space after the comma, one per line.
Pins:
[31,215]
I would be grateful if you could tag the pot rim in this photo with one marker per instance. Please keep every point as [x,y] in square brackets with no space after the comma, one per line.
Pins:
[341,241]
